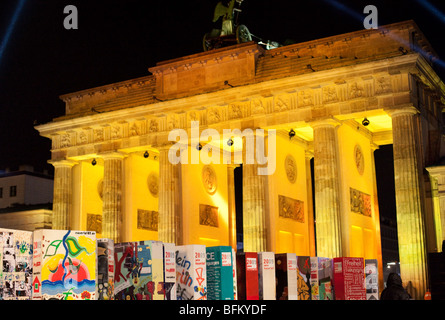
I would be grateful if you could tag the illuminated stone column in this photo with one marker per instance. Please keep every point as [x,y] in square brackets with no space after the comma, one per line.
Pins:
[327,192]
[112,216]
[410,223]
[231,204]
[437,178]
[63,187]
[170,208]
[254,204]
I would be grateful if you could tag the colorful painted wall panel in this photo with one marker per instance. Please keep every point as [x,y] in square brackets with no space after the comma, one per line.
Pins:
[371,279]
[349,279]
[325,279]
[169,271]
[64,265]
[266,276]
[105,269]
[15,264]
[219,273]
[307,278]
[157,258]
[286,276]
[191,272]
[134,271]
[247,272]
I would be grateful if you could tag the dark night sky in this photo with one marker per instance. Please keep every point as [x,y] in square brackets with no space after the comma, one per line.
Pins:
[120,40]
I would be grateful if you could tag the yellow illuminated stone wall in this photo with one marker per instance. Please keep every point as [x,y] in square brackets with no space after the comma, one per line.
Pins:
[360,233]
[139,200]
[86,192]
[194,194]
[288,234]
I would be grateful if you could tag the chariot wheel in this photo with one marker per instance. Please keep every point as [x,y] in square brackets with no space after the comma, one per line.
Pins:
[243,34]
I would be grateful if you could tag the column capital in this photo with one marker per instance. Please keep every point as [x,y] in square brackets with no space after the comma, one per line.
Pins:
[309,154]
[63,163]
[328,122]
[402,111]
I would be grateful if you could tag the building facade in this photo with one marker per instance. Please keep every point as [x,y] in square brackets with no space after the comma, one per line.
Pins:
[26,198]
[335,100]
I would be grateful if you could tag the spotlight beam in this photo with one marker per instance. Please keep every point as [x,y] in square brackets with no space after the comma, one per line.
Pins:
[10,28]
[405,43]
[431,8]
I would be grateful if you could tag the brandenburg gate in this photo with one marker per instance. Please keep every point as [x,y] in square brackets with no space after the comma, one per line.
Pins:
[335,100]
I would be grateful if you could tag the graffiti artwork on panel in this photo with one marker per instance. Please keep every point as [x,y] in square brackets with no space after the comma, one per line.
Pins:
[15,264]
[64,265]
[208,215]
[191,272]
[105,269]
[148,220]
[133,271]
[291,208]
[360,202]
[303,277]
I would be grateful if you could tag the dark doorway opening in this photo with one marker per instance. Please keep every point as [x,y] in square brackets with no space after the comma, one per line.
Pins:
[238,175]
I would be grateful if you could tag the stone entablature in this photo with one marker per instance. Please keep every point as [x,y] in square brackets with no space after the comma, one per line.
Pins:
[291,101]
[248,63]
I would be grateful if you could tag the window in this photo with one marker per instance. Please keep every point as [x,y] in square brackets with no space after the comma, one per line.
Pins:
[13,191]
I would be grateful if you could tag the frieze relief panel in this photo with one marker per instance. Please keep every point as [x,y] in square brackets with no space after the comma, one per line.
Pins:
[216,114]
[382,85]
[83,137]
[208,215]
[290,208]
[65,140]
[258,106]
[116,131]
[351,91]
[238,110]
[148,220]
[283,102]
[360,202]
[330,94]
[153,125]
[136,128]
[305,98]
[194,115]
[98,134]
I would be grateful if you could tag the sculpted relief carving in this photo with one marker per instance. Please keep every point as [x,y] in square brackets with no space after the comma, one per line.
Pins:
[235,111]
[209,179]
[153,184]
[359,159]
[329,94]
[382,85]
[290,166]
[65,140]
[360,202]
[148,220]
[305,98]
[98,135]
[208,215]
[154,125]
[356,90]
[282,103]
[257,106]
[135,129]
[214,115]
[291,208]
